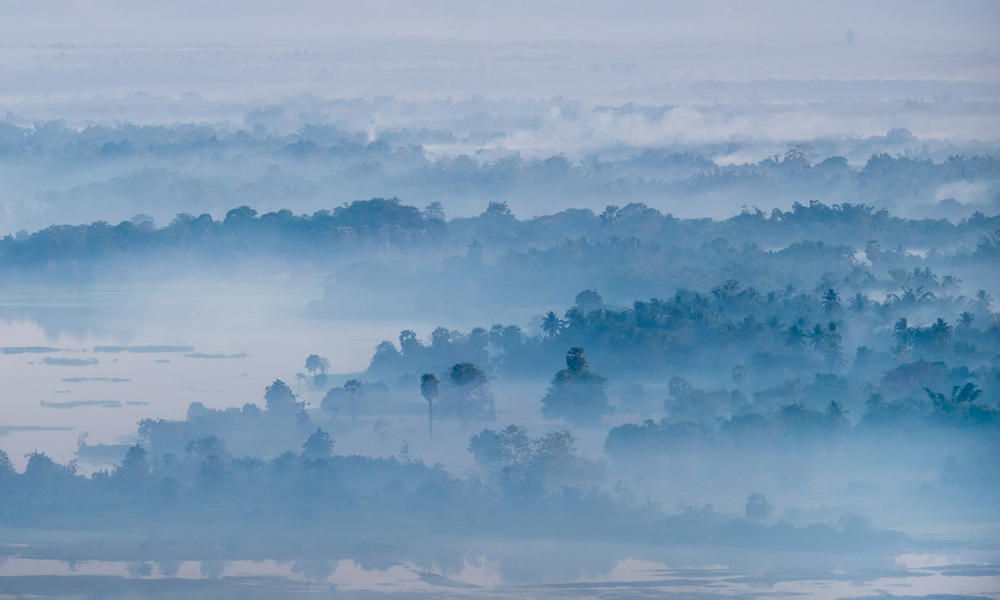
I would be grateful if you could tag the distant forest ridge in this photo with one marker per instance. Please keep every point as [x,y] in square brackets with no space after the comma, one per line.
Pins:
[386,223]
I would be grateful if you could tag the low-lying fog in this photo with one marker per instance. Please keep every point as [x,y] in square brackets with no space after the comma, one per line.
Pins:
[94,362]
[540,300]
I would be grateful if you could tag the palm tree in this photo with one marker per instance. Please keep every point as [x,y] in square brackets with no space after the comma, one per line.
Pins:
[940,334]
[353,389]
[429,385]
[911,297]
[818,337]
[960,403]
[831,301]
[859,302]
[794,336]
[552,325]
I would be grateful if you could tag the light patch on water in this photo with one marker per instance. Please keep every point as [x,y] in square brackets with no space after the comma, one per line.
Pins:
[925,560]
[633,569]
[924,584]
[481,576]
[482,572]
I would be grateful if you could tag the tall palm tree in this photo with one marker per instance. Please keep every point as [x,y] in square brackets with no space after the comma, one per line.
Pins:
[429,385]
[353,389]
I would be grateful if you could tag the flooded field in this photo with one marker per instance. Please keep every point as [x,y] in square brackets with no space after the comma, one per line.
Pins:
[489,576]
[93,362]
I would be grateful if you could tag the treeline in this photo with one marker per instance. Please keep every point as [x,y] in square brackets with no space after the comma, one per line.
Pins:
[960,410]
[241,233]
[399,158]
[391,222]
[331,501]
[632,248]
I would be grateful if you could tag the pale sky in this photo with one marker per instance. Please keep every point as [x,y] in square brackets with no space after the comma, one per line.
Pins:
[969,25]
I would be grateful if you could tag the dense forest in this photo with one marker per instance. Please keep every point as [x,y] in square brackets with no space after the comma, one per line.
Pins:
[825,345]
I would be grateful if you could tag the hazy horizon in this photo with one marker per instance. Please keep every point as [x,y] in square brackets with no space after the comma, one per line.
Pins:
[404,299]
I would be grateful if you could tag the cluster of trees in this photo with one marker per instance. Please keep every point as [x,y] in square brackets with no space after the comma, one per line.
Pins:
[462,392]
[519,463]
[189,502]
[249,430]
[354,397]
[960,410]
[778,334]
[777,349]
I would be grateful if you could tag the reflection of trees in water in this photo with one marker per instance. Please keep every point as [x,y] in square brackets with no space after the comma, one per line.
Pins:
[168,568]
[213,569]
[140,569]
[82,322]
[313,569]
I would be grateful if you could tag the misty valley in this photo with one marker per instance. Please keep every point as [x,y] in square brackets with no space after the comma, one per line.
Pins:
[394,299]
[225,401]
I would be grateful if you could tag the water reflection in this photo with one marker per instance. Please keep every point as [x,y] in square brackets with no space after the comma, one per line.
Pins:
[483,576]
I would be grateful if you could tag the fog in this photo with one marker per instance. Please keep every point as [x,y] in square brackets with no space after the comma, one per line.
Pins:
[443,299]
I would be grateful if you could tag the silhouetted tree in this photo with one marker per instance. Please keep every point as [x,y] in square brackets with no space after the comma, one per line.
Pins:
[588,301]
[576,393]
[831,301]
[474,399]
[408,344]
[318,446]
[434,211]
[758,508]
[961,406]
[135,467]
[493,449]
[795,337]
[317,364]
[497,209]
[280,399]
[429,386]
[552,325]
[353,389]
